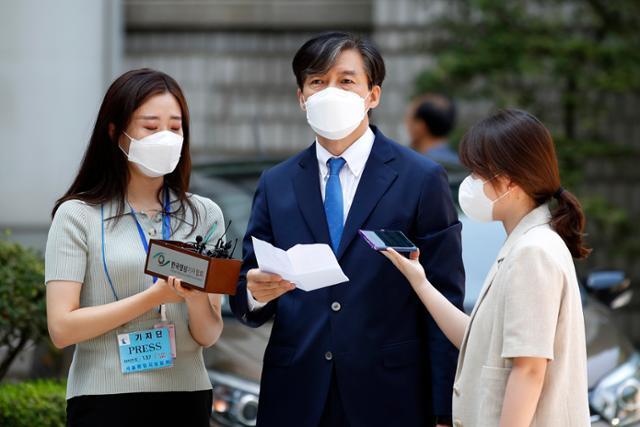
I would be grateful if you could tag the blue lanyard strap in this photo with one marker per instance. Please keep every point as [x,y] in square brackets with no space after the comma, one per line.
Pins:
[104,258]
[166,224]
[166,234]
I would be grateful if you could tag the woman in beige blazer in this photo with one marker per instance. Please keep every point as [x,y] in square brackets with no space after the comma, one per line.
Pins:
[522,351]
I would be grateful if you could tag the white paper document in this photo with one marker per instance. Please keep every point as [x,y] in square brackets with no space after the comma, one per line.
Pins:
[309,267]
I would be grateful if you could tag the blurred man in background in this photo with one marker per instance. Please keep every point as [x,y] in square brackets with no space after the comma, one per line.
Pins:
[430,119]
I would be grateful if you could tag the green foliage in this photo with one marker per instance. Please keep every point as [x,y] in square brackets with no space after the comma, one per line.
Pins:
[22,300]
[520,48]
[609,223]
[35,403]
[569,62]
[559,59]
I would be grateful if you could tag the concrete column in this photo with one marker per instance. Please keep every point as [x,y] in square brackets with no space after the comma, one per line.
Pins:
[56,60]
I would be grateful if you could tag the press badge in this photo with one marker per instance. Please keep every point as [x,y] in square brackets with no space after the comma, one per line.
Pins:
[172,335]
[148,349]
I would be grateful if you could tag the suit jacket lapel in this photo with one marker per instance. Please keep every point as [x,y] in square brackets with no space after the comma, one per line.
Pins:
[487,284]
[537,217]
[485,288]
[306,184]
[374,182]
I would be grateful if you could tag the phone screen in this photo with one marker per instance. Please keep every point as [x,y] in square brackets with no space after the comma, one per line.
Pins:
[394,239]
[382,239]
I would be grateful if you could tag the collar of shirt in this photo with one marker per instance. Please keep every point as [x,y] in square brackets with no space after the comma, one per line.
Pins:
[537,217]
[173,199]
[356,155]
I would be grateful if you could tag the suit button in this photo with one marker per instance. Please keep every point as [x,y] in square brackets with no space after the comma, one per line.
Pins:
[328,355]
[335,306]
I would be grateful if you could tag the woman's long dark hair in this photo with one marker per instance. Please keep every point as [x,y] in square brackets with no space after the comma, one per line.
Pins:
[516,144]
[104,172]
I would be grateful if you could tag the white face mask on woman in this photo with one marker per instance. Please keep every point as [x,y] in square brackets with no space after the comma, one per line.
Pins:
[334,113]
[474,202]
[157,154]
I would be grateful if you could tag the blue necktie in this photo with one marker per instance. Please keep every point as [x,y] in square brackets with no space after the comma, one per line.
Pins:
[333,202]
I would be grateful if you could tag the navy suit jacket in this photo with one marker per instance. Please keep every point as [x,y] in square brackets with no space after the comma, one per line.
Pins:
[393,366]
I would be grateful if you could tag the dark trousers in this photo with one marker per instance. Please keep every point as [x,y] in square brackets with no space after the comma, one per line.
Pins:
[333,414]
[170,409]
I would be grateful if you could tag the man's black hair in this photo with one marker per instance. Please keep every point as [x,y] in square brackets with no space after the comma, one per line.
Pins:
[438,112]
[319,54]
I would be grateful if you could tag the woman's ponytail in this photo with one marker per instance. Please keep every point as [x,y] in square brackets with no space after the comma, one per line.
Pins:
[568,220]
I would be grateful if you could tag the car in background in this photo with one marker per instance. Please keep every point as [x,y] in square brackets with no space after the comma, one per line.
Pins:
[235,362]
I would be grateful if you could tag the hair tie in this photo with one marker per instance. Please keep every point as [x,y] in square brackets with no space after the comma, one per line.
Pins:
[558,193]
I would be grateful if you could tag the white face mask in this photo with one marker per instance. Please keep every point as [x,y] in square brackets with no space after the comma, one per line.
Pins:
[157,154]
[473,202]
[334,113]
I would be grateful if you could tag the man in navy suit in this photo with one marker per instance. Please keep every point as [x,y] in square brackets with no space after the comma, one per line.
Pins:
[364,352]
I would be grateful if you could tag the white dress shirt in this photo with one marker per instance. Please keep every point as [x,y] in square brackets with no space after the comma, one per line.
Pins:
[356,157]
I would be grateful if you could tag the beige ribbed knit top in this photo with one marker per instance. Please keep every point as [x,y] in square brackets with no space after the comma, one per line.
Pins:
[74,253]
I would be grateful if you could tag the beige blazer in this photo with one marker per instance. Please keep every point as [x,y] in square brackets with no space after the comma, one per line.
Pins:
[529,306]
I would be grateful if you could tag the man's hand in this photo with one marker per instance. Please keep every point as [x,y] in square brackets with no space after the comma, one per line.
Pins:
[266,287]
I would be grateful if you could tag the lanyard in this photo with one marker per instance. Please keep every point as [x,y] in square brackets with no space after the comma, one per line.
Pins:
[166,225]
[166,232]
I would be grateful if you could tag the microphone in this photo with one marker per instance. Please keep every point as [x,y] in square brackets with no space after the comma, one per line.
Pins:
[224,250]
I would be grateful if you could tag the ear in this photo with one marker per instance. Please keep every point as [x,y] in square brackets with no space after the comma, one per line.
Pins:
[122,141]
[374,97]
[518,190]
[506,184]
[301,100]
[510,184]
[422,126]
[499,183]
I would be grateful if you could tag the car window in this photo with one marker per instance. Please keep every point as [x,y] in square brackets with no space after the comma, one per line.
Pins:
[234,198]
[481,244]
